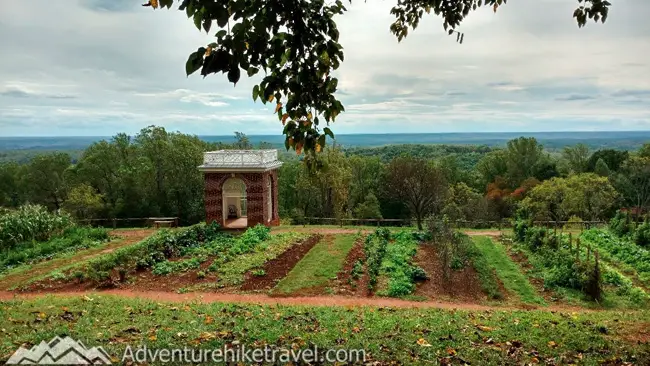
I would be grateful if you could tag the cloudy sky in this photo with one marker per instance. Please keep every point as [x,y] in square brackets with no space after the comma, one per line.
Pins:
[97,67]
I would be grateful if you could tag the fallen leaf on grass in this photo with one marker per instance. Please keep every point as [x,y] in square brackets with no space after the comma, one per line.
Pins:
[86,298]
[153,338]
[209,319]
[484,328]
[423,342]
[451,351]
[552,344]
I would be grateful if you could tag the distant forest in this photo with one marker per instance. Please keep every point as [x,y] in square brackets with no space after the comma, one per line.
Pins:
[22,149]
[154,173]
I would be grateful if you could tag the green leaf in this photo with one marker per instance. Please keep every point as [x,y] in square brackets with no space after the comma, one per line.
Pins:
[256,92]
[328,132]
[194,61]
[252,71]
[197,20]
[220,34]
[207,23]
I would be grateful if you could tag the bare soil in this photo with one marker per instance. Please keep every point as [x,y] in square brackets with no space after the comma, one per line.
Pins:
[264,299]
[463,284]
[125,238]
[145,280]
[277,268]
[638,333]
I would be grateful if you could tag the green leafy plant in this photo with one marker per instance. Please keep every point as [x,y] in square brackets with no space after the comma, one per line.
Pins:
[398,265]
[31,223]
[70,240]
[259,272]
[642,235]
[375,248]
[620,249]
[621,224]
[357,270]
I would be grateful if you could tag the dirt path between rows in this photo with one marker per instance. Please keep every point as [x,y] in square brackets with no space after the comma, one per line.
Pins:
[333,231]
[262,299]
[127,237]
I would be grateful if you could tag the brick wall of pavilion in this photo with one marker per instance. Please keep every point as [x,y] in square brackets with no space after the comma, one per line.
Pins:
[257,195]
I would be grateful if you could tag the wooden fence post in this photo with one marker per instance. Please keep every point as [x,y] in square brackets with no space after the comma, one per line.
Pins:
[114,224]
[578,249]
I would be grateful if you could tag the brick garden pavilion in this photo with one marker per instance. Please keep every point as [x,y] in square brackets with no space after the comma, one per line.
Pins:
[241,187]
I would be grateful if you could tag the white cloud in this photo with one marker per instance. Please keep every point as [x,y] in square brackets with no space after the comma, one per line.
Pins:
[110,66]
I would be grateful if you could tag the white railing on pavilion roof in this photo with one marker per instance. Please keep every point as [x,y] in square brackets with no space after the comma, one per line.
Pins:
[241,159]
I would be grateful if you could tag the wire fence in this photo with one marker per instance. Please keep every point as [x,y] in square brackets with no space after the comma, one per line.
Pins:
[468,224]
[133,222]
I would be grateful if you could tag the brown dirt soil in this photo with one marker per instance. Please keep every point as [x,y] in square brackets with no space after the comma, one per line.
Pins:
[344,283]
[491,233]
[637,333]
[463,285]
[264,299]
[323,231]
[145,280]
[126,237]
[277,268]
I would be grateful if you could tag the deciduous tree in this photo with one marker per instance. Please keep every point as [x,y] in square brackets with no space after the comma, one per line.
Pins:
[419,184]
[576,158]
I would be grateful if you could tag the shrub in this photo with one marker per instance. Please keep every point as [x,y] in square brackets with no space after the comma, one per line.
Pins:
[574,223]
[535,237]
[357,270]
[521,224]
[298,217]
[29,223]
[419,274]
[200,274]
[621,224]
[642,235]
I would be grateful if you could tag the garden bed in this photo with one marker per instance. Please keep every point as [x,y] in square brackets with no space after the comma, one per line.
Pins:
[352,279]
[463,283]
[277,268]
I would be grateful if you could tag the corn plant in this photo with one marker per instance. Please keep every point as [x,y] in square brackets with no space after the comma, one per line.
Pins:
[29,223]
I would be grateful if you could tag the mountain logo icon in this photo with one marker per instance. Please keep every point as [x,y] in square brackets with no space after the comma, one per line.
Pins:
[60,351]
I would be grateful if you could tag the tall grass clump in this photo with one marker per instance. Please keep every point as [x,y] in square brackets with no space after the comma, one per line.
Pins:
[31,223]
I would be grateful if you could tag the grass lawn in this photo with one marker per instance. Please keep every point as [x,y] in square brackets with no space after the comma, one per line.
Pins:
[320,264]
[408,336]
[508,271]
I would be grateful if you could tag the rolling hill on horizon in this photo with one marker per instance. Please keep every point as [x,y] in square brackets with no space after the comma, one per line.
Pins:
[623,140]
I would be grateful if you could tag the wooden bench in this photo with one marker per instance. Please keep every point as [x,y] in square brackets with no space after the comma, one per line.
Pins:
[159,224]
